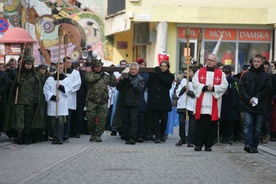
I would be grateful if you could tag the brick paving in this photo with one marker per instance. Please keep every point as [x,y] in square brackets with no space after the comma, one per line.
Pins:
[111,161]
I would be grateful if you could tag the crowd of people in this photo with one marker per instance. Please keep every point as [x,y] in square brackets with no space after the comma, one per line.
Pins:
[68,99]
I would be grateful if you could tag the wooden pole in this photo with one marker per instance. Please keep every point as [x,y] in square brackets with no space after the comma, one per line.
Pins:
[19,72]
[60,34]
[65,51]
[199,40]
[187,58]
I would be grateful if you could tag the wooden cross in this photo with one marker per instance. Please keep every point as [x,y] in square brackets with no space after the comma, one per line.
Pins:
[125,70]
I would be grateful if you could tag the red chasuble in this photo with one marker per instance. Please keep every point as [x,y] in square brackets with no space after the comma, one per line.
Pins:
[217,81]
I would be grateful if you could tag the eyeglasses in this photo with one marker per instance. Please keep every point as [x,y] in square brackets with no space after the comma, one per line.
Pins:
[210,60]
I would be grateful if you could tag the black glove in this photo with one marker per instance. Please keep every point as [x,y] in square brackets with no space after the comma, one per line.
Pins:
[61,88]
[205,88]
[182,91]
[17,84]
[190,94]
[53,98]
[101,73]
[157,69]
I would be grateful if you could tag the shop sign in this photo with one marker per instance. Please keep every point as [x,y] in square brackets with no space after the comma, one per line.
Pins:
[215,33]
[194,32]
[254,35]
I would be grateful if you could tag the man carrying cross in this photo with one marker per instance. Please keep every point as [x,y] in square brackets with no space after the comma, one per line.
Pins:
[209,85]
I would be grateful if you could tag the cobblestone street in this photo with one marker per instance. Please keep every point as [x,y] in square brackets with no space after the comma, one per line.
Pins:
[111,161]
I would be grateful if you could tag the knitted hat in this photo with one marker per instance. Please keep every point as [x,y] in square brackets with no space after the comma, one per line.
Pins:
[140,61]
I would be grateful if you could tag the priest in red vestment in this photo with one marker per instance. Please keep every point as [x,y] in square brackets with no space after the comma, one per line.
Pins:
[209,84]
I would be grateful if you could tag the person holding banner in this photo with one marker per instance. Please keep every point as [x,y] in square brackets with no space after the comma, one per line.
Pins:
[209,85]
[26,103]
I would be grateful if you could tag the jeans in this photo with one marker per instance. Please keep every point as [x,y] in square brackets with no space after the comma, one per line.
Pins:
[252,128]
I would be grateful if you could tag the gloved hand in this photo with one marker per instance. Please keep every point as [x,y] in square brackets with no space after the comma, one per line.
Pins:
[157,69]
[17,84]
[182,91]
[191,94]
[101,73]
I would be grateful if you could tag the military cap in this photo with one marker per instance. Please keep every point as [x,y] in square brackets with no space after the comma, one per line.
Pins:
[96,62]
[28,59]
[43,65]
[52,69]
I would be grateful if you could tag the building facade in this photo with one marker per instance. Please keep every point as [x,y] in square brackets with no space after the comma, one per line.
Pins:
[145,28]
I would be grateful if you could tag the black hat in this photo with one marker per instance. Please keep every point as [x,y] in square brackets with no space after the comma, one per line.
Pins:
[43,65]
[87,64]
[75,64]
[29,59]
[52,69]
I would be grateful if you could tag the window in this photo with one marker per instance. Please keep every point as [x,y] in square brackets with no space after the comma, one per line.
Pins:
[115,6]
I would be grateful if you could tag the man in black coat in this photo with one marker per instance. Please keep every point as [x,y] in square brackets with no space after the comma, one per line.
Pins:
[255,87]
[4,85]
[131,89]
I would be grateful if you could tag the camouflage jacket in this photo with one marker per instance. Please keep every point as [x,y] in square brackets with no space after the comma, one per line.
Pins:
[97,86]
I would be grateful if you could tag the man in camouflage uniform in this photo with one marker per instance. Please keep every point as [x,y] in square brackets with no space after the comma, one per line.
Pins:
[97,98]
[26,113]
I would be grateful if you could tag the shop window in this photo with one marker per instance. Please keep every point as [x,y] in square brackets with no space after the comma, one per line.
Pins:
[182,60]
[248,50]
[225,54]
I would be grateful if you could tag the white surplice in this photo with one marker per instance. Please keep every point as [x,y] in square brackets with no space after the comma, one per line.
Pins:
[75,81]
[49,90]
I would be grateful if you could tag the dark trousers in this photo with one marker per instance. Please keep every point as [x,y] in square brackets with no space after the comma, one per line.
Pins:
[67,125]
[129,119]
[191,127]
[160,118]
[226,128]
[58,127]
[182,125]
[205,131]
[141,130]
[77,119]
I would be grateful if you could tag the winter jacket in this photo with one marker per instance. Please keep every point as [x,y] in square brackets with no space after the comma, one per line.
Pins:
[255,83]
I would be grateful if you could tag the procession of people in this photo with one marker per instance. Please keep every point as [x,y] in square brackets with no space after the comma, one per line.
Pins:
[67,99]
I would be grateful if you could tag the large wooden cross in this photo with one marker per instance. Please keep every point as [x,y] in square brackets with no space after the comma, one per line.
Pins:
[125,70]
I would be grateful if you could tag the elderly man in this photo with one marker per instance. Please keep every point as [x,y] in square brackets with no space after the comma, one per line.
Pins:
[209,85]
[131,89]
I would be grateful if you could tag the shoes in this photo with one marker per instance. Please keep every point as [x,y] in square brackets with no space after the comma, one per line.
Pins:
[92,138]
[147,138]
[157,141]
[198,148]
[180,142]
[113,133]
[265,139]
[140,140]
[77,136]
[57,141]
[131,141]
[98,139]
[190,145]
[163,138]
[255,150]
[65,140]
[248,149]
[208,148]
